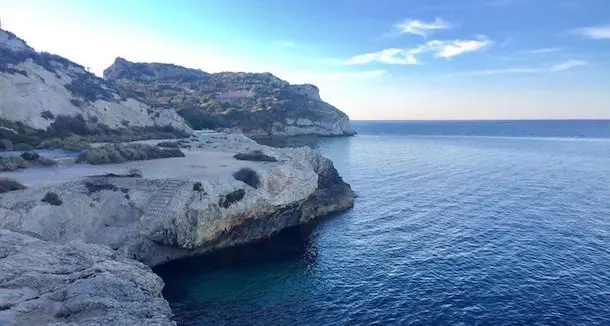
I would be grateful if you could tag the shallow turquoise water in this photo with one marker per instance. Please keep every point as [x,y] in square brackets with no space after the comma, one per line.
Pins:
[459,226]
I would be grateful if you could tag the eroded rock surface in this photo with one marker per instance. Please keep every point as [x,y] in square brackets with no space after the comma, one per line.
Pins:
[161,217]
[46,283]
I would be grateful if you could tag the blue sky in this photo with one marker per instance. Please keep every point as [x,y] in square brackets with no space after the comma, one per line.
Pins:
[383,59]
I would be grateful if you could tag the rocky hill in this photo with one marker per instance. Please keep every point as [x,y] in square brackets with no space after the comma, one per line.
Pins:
[42,92]
[255,103]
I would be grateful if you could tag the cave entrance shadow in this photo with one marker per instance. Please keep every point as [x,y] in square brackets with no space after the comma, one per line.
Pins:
[292,244]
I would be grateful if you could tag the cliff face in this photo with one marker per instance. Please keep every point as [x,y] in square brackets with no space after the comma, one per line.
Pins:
[255,103]
[36,88]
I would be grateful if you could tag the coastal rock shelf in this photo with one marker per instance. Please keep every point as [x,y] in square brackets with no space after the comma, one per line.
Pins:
[181,207]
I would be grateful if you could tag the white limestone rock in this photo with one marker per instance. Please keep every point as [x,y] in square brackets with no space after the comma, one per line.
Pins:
[32,83]
[161,218]
[46,283]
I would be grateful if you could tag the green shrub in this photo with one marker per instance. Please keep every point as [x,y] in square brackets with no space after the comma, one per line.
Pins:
[169,144]
[119,153]
[200,119]
[52,198]
[65,125]
[93,187]
[7,185]
[48,115]
[11,163]
[198,187]
[35,158]
[46,161]
[134,173]
[71,143]
[247,176]
[22,147]
[30,156]
[6,145]
[231,198]
[257,155]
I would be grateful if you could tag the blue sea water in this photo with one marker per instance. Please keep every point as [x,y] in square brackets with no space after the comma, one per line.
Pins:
[456,223]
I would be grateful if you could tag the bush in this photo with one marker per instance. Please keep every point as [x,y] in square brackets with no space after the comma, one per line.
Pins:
[231,198]
[30,156]
[6,145]
[200,119]
[65,125]
[257,156]
[93,187]
[72,143]
[134,173]
[11,163]
[46,161]
[198,187]
[35,158]
[169,144]
[48,115]
[247,176]
[119,153]
[22,147]
[52,198]
[7,185]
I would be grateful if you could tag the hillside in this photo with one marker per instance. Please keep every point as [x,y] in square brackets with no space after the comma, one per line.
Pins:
[44,95]
[255,103]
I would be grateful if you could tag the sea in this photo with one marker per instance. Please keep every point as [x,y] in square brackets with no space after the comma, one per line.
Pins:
[456,223]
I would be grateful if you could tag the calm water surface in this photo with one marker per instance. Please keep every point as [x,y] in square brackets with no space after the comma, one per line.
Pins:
[469,223]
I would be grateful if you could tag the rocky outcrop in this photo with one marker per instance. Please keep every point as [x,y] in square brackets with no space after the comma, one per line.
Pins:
[74,260]
[255,103]
[37,87]
[161,217]
[43,283]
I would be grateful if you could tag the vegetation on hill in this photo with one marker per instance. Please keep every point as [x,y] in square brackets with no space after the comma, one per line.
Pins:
[250,101]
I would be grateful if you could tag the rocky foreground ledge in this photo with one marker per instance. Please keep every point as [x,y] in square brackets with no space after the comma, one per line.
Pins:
[85,259]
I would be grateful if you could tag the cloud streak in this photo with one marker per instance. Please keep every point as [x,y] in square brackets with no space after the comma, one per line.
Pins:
[439,49]
[542,51]
[555,68]
[422,28]
[449,49]
[594,32]
[388,56]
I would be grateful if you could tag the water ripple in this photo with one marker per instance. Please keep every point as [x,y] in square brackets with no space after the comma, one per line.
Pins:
[446,231]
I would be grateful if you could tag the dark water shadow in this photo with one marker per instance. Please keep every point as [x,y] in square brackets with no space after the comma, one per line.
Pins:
[290,244]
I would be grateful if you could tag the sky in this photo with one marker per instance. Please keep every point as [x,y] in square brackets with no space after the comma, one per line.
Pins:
[375,60]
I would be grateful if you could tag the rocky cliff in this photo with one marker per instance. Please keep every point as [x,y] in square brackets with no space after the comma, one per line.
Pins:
[181,207]
[38,88]
[255,103]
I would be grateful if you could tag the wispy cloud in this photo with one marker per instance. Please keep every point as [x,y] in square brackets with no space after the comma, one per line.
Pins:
[567,65]
[594,32]
[542,51]
[422,28]
[440,49]
[449,49]
[555,68]
[389,56]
